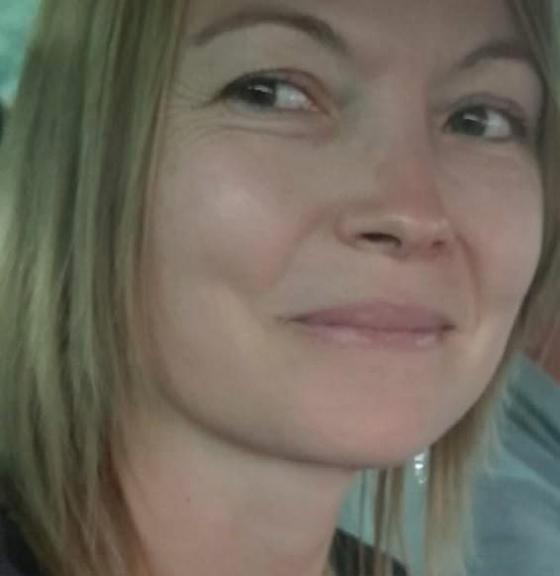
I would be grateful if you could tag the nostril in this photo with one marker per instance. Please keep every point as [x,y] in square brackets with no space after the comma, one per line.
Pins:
[382,237]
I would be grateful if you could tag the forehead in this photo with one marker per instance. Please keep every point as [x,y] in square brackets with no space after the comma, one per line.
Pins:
[367,22]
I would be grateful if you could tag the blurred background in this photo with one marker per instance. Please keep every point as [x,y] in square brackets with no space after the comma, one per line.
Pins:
[516,502]
[15,21]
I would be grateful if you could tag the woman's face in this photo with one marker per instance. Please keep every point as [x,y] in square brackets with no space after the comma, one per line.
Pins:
[321,153]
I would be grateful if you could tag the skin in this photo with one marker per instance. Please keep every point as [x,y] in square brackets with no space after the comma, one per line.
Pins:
[239,461]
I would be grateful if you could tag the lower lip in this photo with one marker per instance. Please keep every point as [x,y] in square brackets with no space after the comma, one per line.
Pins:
[349,336]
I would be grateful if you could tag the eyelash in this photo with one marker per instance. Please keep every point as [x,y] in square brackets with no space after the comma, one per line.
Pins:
[233,90]
[520,126]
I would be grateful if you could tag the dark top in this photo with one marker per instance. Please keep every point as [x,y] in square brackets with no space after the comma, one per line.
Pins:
[15,557]
[347,563]
[17,560]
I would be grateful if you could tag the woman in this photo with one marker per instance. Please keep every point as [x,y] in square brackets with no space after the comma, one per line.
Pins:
[249,250]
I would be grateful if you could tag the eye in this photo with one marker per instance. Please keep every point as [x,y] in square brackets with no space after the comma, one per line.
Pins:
[489,123]
[268,93]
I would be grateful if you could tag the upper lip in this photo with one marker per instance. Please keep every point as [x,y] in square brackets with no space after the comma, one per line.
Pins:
[380,315]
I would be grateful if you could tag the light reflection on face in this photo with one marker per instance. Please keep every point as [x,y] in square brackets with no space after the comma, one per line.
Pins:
[306,167]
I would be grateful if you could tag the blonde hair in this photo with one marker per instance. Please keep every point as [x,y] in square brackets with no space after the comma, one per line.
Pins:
[78,157]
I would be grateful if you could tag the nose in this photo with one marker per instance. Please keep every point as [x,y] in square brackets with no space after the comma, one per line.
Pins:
[402,214]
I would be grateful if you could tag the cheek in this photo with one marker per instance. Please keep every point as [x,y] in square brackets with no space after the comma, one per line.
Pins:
[499,207]
[224,212]
[514,252]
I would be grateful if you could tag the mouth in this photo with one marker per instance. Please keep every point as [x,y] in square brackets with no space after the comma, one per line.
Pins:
[378,324]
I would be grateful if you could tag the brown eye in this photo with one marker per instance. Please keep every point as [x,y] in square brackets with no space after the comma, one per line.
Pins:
[481,121]
[264,93]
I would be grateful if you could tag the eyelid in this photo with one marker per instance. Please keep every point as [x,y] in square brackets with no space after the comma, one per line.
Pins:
[499,103]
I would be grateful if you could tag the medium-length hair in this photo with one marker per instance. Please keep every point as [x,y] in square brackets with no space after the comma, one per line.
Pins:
[78,158]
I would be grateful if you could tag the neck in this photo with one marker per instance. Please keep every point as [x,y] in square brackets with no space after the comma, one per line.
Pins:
[216,507]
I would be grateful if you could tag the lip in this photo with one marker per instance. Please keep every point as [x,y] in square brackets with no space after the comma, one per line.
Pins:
[380,316]
[379,325]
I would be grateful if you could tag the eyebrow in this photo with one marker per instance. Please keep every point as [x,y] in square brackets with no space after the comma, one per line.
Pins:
[314,27]
[513,49]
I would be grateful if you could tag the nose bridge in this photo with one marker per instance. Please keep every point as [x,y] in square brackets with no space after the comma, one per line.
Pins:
[405,162]
[406,178]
